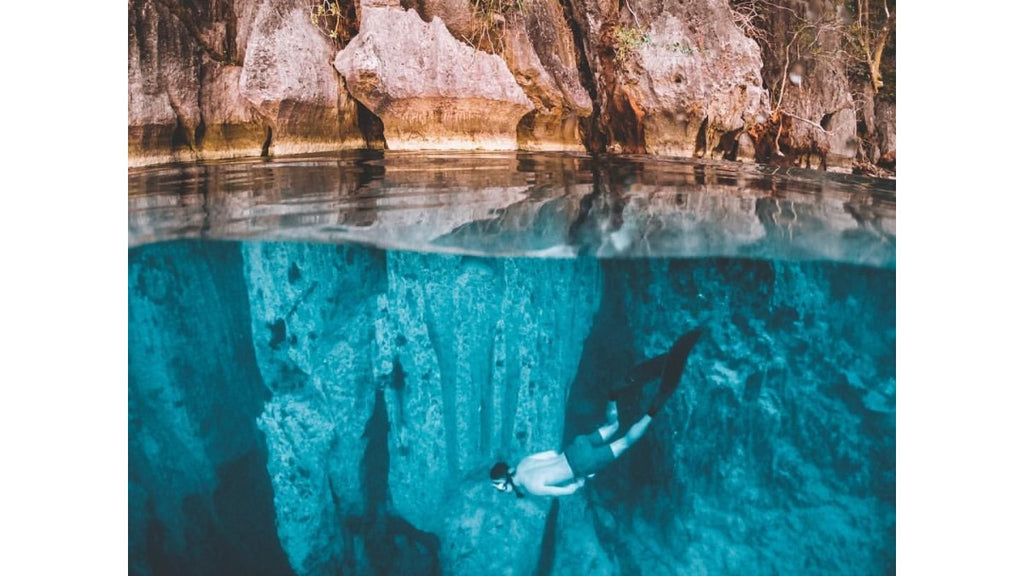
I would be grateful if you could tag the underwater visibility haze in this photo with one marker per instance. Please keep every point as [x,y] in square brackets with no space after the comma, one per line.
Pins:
[327,353]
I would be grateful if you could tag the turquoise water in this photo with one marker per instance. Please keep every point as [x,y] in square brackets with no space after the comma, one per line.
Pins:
[327,354]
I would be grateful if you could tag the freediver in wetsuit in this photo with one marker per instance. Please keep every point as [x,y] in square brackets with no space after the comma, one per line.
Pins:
[553,473]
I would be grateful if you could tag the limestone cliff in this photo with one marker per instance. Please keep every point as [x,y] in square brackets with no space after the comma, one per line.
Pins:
[791,82]
[430,90]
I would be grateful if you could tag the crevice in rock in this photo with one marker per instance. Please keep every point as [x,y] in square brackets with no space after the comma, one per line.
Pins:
[595,137]
[449,399]
[265,151]
[605,360]
[180,136]
[226,55]
[200,131]
[729,145]
[376,460]
[372,128]
[546,560]
[513,380]
[700,148]
[391,543]
[486,402]
[625,117]
[826,121]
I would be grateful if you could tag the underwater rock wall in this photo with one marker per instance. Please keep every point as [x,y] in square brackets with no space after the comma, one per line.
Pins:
[778,452]
[458,360]
[199,499]
[337,408]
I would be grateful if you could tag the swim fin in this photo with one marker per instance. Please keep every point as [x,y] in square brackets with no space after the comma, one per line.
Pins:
[674,363]
[641,374]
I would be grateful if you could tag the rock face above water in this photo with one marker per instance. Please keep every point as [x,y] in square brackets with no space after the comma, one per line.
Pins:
[673,78]
[240,78]
[430,90]
[693,78]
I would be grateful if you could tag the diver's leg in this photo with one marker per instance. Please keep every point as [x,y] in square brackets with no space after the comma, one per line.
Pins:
[635,432]
[608,430]
[641,374]
[674,365]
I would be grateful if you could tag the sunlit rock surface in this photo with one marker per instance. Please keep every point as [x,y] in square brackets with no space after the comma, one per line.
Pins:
[303,103]
[430,90]
[775,82]
[536,41]
[699,81]
[229,79]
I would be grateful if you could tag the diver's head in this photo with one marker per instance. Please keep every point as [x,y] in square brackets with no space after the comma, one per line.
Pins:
[501,477]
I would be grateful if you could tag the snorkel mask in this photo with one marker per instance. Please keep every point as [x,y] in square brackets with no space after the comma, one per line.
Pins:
[501,479]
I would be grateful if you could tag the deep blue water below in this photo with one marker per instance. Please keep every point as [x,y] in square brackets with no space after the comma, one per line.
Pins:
[326,355]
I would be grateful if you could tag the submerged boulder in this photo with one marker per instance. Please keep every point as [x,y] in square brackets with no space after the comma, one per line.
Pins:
[430,90]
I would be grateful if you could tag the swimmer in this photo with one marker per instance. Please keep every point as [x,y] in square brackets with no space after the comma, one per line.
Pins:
[553,473]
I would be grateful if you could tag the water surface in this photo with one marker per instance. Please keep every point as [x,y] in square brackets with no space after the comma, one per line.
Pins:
[524,204]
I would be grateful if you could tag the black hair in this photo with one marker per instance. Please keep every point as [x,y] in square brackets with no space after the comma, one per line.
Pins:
[499,471]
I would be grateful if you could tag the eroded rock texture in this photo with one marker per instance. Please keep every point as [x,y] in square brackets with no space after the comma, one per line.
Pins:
[430,90]
[232,78]
[397,380]
[736,79]
[198,495]
[332,409]
[825,111]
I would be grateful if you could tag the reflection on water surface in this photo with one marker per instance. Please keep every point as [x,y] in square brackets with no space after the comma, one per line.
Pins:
[511,204]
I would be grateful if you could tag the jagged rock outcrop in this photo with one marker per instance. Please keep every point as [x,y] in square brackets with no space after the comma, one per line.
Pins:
[235,78]
[694,78]
[430,90]
[458,360]
[312,310]
[541,51]
[536,42]
[284,76]
[746,435]
[734,79]
[825,111]
[673,78]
